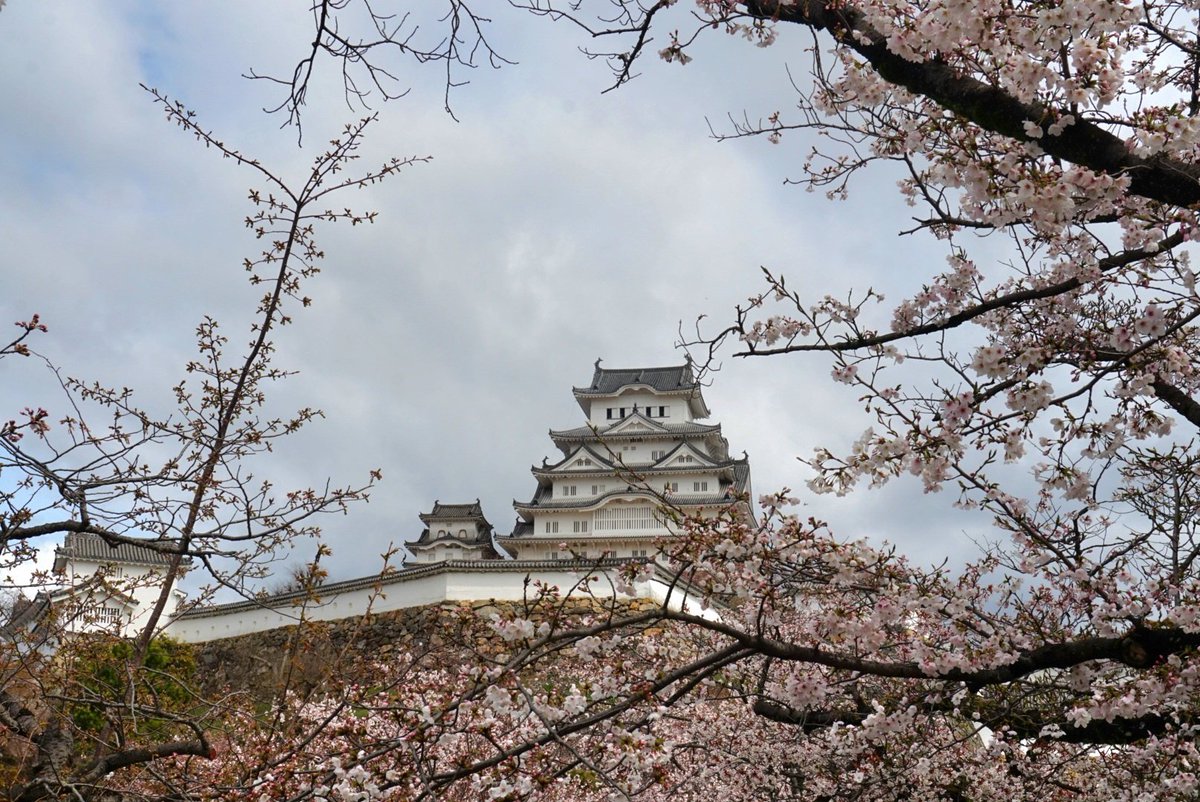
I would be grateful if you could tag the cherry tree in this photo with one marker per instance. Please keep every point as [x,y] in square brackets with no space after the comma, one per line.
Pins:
[191,485]
[1055,390]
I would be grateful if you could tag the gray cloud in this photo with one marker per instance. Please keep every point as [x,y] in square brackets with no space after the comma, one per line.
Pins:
[554,225]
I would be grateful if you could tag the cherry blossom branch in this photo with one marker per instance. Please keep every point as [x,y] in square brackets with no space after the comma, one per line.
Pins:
[1104,266]
[1084,143]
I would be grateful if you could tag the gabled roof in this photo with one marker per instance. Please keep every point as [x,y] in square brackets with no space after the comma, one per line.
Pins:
[704,460]
[95,586]
[606,381]
[488,552]
[600,463]
[29,614]
[636,424]
[675,379]
[26,614]
[668,429]
[454,512]
[92,547]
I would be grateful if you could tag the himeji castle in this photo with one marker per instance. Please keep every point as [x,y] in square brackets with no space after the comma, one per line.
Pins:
[642,457]
[640,449]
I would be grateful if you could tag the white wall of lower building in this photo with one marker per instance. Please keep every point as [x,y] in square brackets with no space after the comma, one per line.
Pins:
[431,584]
[121,604]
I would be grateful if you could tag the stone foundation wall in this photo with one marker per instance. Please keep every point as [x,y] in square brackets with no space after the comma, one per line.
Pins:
[304,658]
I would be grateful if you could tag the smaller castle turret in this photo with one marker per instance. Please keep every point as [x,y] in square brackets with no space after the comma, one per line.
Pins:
[454,532]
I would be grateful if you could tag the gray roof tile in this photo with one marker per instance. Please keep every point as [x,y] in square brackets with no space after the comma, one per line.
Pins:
[609,380]
[90,546]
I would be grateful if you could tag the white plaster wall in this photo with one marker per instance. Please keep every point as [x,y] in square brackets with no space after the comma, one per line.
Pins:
[451,585]
[141,582]
[453,528]
[677,411]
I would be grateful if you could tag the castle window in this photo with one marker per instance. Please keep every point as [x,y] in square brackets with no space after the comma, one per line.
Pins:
[657,455]
[462,532]
[699,487]
[441,533]
[610,411]
[624,517]
[607,554]
[581,526]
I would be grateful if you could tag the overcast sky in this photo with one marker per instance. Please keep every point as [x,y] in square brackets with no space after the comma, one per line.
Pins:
[555,225]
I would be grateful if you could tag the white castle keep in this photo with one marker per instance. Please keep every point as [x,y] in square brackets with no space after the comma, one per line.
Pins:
[641,447]
[640,452]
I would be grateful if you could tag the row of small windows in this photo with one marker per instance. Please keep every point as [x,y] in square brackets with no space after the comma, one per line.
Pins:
[580,527]
[583,555]
[655,455]
[573,490]
[461,533]
[565,491]
[697,487]
[94,612]
[620,413]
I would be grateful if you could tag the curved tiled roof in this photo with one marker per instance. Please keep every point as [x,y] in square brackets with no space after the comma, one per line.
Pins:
[675,379]
[669,429]
[90,546]
[456,512]
[606,381]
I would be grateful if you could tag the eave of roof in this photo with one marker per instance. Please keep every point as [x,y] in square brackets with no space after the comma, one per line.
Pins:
[673,499]
[92,547]
[685,429]
[455,512]
[671,379]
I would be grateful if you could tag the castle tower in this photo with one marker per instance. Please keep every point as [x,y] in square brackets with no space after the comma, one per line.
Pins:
[454,532]
[641,446]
